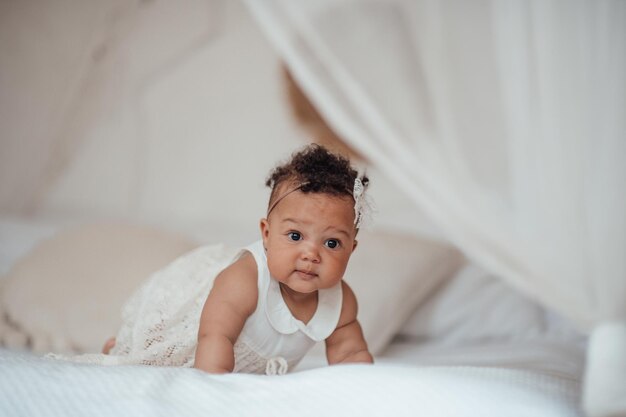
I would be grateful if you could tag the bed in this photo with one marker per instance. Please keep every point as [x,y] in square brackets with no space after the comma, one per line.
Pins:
[431,359]
[459,111]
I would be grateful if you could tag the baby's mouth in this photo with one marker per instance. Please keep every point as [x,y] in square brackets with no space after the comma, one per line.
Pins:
[306,274]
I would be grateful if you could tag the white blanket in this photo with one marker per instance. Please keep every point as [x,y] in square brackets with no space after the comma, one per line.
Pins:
[33,386]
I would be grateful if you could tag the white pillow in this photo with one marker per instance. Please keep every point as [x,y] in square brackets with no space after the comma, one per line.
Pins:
[66,294]
[391,274]
[475,307]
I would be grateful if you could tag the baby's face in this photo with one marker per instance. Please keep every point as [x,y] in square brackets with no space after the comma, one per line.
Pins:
[309,239]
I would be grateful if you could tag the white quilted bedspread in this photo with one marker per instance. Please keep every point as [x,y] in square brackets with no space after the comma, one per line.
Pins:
[33,386]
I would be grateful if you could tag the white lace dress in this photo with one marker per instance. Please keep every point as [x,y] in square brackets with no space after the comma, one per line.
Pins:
[161,320]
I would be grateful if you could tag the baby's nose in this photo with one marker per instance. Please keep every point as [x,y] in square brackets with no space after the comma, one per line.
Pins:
[310,253]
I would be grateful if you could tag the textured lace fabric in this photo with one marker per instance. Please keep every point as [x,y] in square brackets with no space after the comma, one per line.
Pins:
[160,321]
[250,362]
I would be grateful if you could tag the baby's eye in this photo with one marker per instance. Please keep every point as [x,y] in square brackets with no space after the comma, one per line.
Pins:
[332,243]
[295,236]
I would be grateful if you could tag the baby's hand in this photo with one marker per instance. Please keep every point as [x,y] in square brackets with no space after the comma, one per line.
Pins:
[347,344]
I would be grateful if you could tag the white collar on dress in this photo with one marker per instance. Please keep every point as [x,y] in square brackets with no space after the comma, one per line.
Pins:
[321,325]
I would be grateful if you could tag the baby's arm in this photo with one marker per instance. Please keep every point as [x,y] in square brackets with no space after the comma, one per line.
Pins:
[347,344]
[231,301]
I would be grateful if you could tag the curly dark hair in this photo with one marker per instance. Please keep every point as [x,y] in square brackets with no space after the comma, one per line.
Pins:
[316,170]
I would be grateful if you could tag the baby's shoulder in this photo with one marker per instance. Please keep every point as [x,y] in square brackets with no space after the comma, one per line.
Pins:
[245,267]
[238,279]
[349,305]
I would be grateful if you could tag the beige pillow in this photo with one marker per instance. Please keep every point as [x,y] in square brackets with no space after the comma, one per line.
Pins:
[66,294]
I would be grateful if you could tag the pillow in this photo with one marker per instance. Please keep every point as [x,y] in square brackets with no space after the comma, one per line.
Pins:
[66,294]
[475,307]
[391,274]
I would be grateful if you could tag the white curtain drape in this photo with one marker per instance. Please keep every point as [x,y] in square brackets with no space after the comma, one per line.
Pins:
[505,122]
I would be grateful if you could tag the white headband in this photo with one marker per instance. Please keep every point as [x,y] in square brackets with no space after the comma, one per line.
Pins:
[361,204]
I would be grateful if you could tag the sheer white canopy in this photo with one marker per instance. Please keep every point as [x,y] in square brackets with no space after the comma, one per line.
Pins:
[505,122]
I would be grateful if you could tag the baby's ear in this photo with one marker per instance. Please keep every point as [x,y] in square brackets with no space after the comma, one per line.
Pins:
[354,244]
[265,229]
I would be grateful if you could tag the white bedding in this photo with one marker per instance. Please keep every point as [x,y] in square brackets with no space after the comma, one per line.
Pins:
[32,386]
[547,357]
